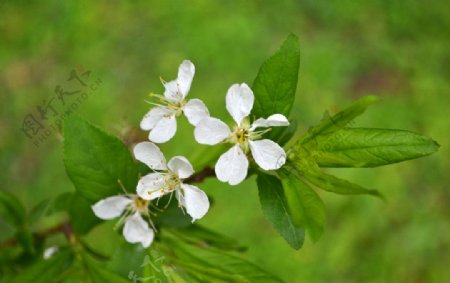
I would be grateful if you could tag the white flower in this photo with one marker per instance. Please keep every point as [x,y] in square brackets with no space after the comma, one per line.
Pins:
[232,166]
[49,252]
[167,178]
[161,120]
[130,208]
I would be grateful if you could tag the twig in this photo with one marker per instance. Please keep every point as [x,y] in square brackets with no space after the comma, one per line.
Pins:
[200,176]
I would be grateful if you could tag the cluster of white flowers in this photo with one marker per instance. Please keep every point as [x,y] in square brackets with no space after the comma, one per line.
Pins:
[167,178]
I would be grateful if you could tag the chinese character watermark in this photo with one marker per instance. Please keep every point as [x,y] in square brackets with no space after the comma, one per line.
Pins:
[48,117]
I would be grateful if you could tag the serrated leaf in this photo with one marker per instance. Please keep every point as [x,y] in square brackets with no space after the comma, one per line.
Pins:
[275,208]
[329,125]
[306,207]
[46,271]
[362,147]
[95,161]
[276,82]
[11,209]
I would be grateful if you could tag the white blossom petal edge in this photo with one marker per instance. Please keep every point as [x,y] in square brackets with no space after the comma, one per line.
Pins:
[130,209]
[168,179]
[232,166]
[161,120]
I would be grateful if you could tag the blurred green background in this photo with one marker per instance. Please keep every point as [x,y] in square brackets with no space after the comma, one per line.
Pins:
[398,50]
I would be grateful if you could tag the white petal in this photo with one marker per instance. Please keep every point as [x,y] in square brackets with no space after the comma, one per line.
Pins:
[137,230]
[195,201]
[239,101]
[181,166]
[268,154]
[172,91]
[274,120]
[211,131]
[164,130]
[111,207]
[195,110]
[153,117]
[152,186]
[149,154]
[232,166]
[186,73]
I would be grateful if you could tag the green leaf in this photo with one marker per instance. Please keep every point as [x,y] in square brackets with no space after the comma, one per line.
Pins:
[329,125]
[11,209]
[39,210]
[306,207]
[211,265]
[95,161]
[46,271]
[97,272]
[81,215]
[201,236]
[275,207]
[171,215]
[360,147]
[334,184]
[276,82]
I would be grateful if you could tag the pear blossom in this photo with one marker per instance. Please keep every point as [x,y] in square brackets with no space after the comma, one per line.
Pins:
[232,166]
[168,178]
[130,209]
[161,120]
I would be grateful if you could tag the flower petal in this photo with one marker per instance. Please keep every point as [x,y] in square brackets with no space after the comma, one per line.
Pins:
[172,91]
[137,230]
[153,117]
[186,73]
[152,186]
[195,110]
[149,154]
[274,120]
[232,166]
[268,154]
[111,207]
[211,131]
[181,166]
[239,101]
[195,201]
[164,130]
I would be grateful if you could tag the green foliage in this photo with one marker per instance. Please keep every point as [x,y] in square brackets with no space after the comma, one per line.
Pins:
[11,209]
[96,161]
[47,271]
[360,147]
[330,125]
[276,82]
[275,207]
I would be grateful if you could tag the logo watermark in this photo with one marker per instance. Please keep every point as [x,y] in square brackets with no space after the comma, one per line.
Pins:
[156,263]
[48,117]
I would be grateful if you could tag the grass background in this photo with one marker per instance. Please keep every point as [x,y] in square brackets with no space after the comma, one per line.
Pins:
[398,50]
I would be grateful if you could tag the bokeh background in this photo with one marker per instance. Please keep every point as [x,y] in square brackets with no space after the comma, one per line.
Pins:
[398,50]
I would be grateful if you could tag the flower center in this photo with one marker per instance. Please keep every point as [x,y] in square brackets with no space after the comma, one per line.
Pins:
[175,107]
[140,204]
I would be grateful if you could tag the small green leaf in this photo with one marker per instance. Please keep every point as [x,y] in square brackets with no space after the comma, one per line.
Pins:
[275,207]
[276,82]
[11,209]
[97,272]
[95,161]
[306,207]
[47,271]
[361,147]
[334,184]
[329,125]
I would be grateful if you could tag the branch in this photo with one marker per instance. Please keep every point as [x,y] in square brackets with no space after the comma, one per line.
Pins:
[200,176]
